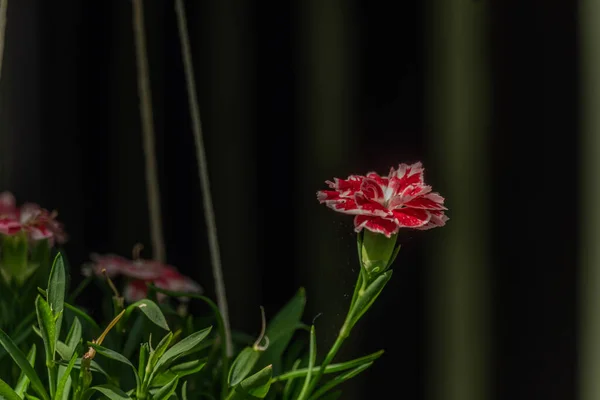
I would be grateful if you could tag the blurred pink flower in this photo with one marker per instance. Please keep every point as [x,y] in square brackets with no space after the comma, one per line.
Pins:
[140,273]
[38,222]
[386,204]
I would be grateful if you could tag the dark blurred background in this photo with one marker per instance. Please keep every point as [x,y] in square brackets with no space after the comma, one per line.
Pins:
[485,93]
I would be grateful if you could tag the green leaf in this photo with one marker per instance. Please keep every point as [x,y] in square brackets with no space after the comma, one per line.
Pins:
[150,310]
[113,355]
[289,386]
[157,353]
[143,360]
[256,386]
[47,327]
[180,370]
[82,314]
[63,351]
[338,380]
[331,368]
[242,366]
[6,392]
[134,337]
[56,291]
[74,336]
[23,382]
[365,299]
[184,391]
[112,392]
[184,347]
[94,367]
[312,357]
[167,390]
[62,383]
[20,359]
[188,368]
[281,329]
[19,337]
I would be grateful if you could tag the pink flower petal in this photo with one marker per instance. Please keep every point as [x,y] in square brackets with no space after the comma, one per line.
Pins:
[369,207]
[438,219]
[375,224]
[135,291]
[411,217]
[29,212]
[352,183]
[8,205]
[117,265]
[380,204]
[431,201]
[405,176]
[383,181]
[9,226]
[371,189]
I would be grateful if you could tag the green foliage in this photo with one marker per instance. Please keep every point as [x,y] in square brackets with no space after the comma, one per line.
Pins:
[86,359]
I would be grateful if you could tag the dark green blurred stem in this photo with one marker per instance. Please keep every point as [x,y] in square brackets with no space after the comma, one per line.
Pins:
[457,115]
[209,213]
[589,279]
[145,97]
[342,335]
[3,12]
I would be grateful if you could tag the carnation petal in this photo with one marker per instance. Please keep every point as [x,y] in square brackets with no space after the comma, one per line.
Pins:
[411,217]
[431,201]
[375,224]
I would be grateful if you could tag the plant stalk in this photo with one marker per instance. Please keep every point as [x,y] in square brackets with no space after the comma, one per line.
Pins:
[342,335]
[209,212]
[145,96]
[3,19]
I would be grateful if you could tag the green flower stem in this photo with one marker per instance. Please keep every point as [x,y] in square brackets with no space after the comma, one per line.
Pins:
[342,335]
[52,377]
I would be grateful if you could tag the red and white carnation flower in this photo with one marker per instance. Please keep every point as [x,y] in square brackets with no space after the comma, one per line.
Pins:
[37,222]
[384,204]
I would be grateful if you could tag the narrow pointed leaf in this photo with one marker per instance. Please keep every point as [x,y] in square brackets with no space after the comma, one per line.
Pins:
[150,310]
[74,335]
[47,327]
[157,353]
[331,368]
[23,382]
[184,347]
[113,355]
[112,392]
[180,370]
[56,291]
[20,359]
[6,392]
[62,383]
[289,386]
[167,390]
[339,380]
[84,317]
[365,300]
[311,363]
[242,366]
[184,391]
[255,386]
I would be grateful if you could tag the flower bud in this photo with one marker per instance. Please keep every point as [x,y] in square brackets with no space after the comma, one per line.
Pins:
[377,252]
